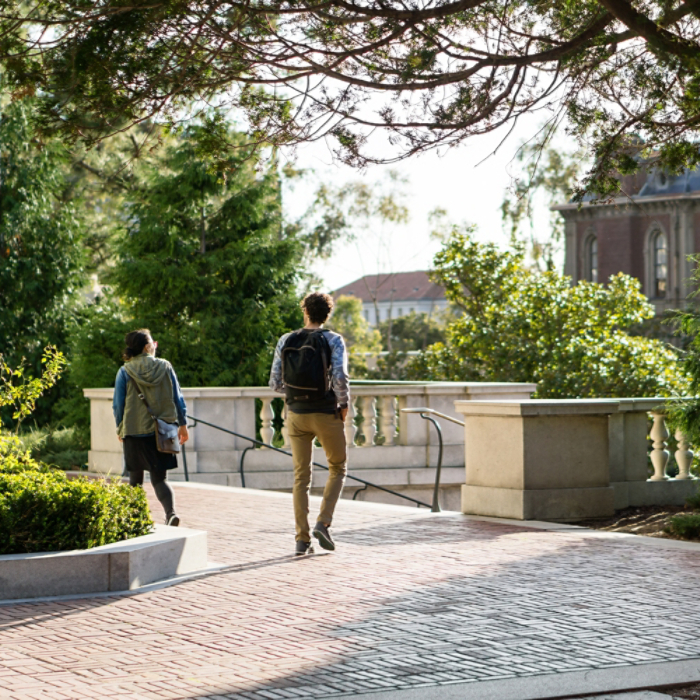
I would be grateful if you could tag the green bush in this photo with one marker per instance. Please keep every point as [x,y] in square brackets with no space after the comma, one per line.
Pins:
[685,525]
[41,510]
[63,448]
[694,501]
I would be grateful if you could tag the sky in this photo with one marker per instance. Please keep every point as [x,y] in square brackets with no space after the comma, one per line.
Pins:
[469,182]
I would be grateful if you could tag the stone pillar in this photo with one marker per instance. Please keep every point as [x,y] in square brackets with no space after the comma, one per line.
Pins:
[537,460]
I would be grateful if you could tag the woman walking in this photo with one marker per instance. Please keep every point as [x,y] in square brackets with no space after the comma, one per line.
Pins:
[144,373]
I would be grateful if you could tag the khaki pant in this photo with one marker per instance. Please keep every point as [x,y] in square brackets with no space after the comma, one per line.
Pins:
[330,431]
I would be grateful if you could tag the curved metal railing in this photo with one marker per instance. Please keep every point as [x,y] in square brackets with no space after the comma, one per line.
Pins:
[260,443]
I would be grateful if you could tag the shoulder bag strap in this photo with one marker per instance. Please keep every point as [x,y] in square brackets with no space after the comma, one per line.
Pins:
[143,398]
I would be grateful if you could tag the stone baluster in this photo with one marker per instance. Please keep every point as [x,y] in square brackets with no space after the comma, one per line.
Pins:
[684,456]
[267,432]
[369,423]
[350,427]
[659,453]
[285,430]
[389,419]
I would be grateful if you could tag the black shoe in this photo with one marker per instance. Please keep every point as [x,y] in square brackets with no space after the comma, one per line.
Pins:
[324,537]
[173,520]
[303,548]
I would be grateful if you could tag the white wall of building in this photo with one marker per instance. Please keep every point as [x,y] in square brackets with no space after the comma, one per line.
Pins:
[396,309]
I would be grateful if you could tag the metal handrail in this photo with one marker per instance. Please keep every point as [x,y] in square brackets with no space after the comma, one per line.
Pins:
[427,414]
[434,412]
[289,454]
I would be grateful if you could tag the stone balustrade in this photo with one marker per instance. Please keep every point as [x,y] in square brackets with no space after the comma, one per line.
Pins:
[386,446]
[542,459]
[570,459]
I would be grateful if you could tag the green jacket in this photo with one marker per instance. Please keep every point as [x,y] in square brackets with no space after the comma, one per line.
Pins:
[153,378]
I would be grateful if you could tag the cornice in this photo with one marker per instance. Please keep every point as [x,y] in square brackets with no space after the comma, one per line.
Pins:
[626,206]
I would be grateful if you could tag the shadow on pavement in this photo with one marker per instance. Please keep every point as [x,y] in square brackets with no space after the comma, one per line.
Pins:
[586,604]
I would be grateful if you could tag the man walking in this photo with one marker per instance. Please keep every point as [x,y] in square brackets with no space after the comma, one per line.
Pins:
[310,367]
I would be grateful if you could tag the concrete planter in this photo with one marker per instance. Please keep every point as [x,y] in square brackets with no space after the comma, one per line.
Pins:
[127,565]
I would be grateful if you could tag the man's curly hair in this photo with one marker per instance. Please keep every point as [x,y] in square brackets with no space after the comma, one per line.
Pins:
[318,306]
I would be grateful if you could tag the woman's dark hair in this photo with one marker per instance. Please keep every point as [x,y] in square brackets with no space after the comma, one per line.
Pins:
[318,306]
[136,341]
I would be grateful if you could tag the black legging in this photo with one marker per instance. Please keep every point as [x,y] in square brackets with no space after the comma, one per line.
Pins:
[160,485]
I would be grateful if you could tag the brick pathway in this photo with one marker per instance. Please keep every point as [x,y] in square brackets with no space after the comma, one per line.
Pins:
[409,599]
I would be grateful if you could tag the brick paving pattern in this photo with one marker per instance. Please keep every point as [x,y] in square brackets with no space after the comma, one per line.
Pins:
[409,599]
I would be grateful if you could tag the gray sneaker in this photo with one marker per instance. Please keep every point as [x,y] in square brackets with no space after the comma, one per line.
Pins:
[303,548]
[324,537]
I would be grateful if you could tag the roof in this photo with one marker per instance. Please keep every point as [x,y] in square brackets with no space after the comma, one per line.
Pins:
[649,182]
[394,286]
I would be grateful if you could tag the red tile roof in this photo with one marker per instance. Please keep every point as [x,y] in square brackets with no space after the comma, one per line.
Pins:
[396,286]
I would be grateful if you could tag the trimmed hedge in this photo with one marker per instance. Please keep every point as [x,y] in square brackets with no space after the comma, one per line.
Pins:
[41,510]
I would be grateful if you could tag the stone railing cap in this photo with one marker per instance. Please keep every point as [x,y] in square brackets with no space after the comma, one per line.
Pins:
[538,407]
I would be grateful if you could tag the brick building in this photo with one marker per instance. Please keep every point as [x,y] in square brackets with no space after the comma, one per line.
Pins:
[648,233]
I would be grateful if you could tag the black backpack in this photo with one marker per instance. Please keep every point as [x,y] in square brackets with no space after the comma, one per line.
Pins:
[306,362]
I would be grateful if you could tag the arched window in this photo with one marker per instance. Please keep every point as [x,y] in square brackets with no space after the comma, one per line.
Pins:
[660,264]
[592,259]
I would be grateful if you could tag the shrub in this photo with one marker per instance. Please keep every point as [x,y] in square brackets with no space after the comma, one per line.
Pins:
[41,510]
[63,447]
[685,525]
[694,501]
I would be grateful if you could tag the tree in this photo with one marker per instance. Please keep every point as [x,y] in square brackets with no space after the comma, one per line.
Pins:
[520,325]
[41,260]
[414,331]
[429,74]
[347,319]
[544,170]
[205,264]
[41,244]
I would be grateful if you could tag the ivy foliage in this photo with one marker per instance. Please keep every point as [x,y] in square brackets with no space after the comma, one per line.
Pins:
[518,325]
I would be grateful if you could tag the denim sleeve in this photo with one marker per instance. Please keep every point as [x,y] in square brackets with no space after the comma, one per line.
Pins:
[275,382]
[119,395]
[179,399]
[340,380]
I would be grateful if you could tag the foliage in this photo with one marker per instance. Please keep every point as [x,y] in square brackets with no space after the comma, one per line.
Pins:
[684,412]
[15,457]
[96,344]
[347,319]
[41,510]
[204,263]
[415,331]
[428,76]
[44,511]
[694,501]
[402,335]
[685,525]
[63,448]
[21,391]
[524,326]
[41,258]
